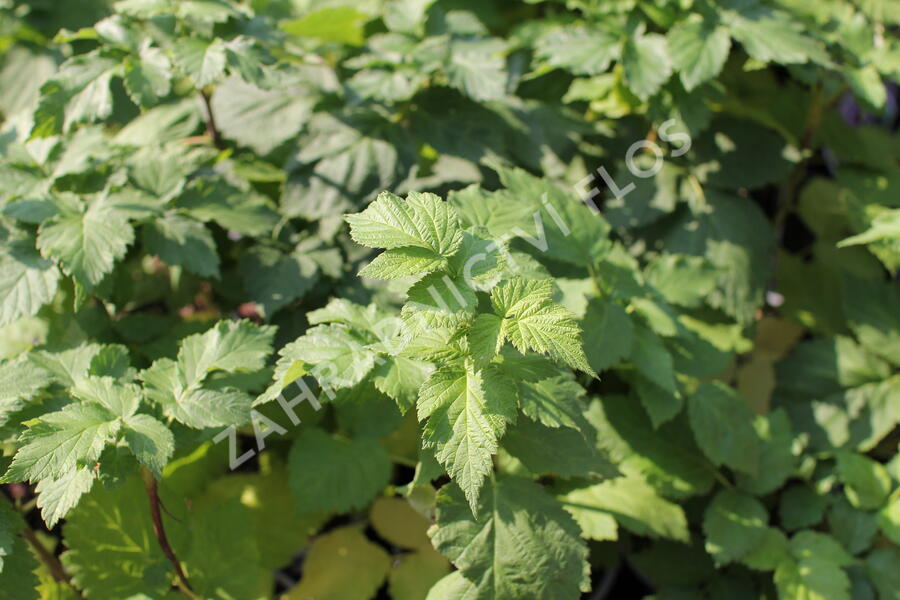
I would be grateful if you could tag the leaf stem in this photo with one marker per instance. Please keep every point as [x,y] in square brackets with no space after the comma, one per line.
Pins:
[159,529]
[211,127]
[50,560]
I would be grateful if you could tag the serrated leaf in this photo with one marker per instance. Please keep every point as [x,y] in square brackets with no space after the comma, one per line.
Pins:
[111,548]
[608,334]
[734,524]
[441,292]
[27,281]
[699,49]
[723,427]
[772,36]
[180,240]
[355,471]
[202,60]
[61,441]
[88,244]
[464,424]
[866,482]
[274,279]
[519,529]
[329,560]
[261,119]
[477,68]
[17,579]
[581,50]
[403,262]
[485,337]
[555,401]
[666,457]
[341,357]
[634,504]
[150,441]
[148,76]
[776,459]
[400,378]
[56,497]
[531,321]
[224,560]
[422,220]
[647,64]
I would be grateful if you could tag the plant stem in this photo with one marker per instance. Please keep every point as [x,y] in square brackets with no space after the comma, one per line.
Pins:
[789,190]
[50,560]
[211,127]
[159,529]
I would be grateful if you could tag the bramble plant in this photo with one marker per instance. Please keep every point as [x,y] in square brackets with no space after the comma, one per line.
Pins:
[443,299]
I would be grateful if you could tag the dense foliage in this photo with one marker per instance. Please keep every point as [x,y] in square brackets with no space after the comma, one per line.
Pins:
[449,299]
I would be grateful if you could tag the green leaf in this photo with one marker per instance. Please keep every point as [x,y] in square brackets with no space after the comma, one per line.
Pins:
[181,387]
[56,497]
[855,529]
[610,332]
[273,279]
[801,507]
[866,482]
[652,360]
[400,378]
[180,240]
[223,559]
[201,60]
[647,63]
[10,524]
[563,452]
[17,579]
[148,76]
[229,346]
[770,553]
[477,68]
[353,474]
[555,401]
[772,36]
[699,49]
[776,460]
[634,504]
[87,245]
[422,220]
[111,548]
[403,262]
[261,119]
[868,304]
[485,337]
[79,92]
[61,441]
[27,282]
[532,321]
[416,574]
[334,555]
[465,420]
[341,24]
[881,566]
[581,50]
[440,292]
[519,529]
[150,441]
[666,457]
[343,357]
[734,525]
[243,211]
[723,427]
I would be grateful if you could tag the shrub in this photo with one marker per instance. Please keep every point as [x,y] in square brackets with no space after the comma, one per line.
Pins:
[420,299]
